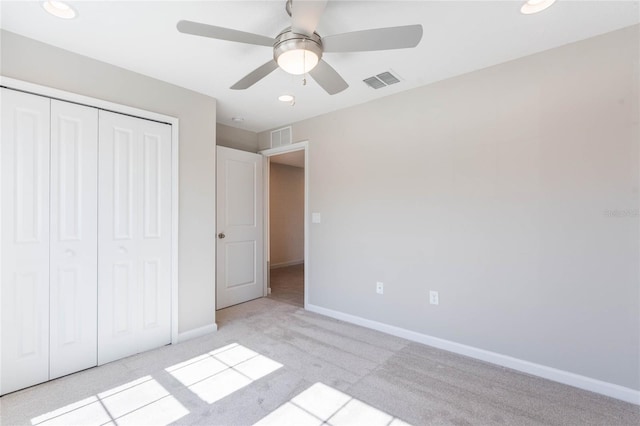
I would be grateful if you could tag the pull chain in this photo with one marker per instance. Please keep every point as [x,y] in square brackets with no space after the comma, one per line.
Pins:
[304,61]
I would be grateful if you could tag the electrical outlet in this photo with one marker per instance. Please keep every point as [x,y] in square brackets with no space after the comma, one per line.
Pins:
[433,298]
[379,287]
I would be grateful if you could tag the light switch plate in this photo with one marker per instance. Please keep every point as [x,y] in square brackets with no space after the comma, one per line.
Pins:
[315,217]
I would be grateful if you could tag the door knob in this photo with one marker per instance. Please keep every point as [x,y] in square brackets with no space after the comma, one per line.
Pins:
[69,253]
[221,235]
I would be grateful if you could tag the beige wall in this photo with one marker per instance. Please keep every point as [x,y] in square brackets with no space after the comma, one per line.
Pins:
[232,137]
[35,62]
[495,188]
[286,215]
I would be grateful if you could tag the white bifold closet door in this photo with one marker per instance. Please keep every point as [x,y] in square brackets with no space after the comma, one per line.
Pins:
[134,236]
[73,238]
[49,239]
[24,236]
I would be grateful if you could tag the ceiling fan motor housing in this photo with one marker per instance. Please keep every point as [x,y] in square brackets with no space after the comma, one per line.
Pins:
[288,42]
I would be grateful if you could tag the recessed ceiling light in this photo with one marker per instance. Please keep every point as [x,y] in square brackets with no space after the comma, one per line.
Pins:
[535,6]
[237,119]
[286,98]
[59,9]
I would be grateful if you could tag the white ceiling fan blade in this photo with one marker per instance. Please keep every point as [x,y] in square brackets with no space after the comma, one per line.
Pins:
[255,76]
[376,39]
[220,33]
[328,78]
[305,15]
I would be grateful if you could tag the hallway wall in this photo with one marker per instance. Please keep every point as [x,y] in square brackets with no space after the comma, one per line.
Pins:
[286,202]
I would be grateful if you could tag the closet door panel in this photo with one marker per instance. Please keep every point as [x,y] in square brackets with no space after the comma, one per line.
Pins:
[117,236]
[24,240]
[134,237]
[155,238]
[74,273]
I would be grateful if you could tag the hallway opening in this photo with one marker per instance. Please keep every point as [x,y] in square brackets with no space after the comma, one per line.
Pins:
[286,227]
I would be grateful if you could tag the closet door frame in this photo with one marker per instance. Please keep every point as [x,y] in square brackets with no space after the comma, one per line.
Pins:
[11,83]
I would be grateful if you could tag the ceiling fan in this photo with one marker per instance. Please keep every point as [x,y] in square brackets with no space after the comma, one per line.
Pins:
[298,49]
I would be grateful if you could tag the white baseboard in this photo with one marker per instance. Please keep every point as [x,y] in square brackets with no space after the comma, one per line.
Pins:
[285,264]
[561,376]
[197,332]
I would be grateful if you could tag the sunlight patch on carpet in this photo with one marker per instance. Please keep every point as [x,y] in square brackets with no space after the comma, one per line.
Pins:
[322,404]
[140,402]
[219,373]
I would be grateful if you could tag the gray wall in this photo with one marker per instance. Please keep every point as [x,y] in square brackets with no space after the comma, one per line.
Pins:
[495,188]
[232,137]
[286,214]
[32,61]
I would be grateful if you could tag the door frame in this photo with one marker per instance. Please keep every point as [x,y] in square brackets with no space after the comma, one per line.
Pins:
[267,153]
[53,93]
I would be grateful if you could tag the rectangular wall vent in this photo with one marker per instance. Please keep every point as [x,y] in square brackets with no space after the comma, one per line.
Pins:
[381,80]
[281,137]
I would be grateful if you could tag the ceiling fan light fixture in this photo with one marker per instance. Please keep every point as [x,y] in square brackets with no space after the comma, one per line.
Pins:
[297,53]
[535,6]
[59,9]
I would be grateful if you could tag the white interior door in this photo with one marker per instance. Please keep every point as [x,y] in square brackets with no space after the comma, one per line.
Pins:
[134,236]
[240,251]
[73,238]
[24,236]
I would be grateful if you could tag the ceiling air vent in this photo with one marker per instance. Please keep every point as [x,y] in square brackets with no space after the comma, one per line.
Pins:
[388,78]
[381,80]
[374,83]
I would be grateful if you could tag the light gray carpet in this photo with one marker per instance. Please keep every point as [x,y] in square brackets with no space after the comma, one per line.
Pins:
[287,284]
[281,364]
